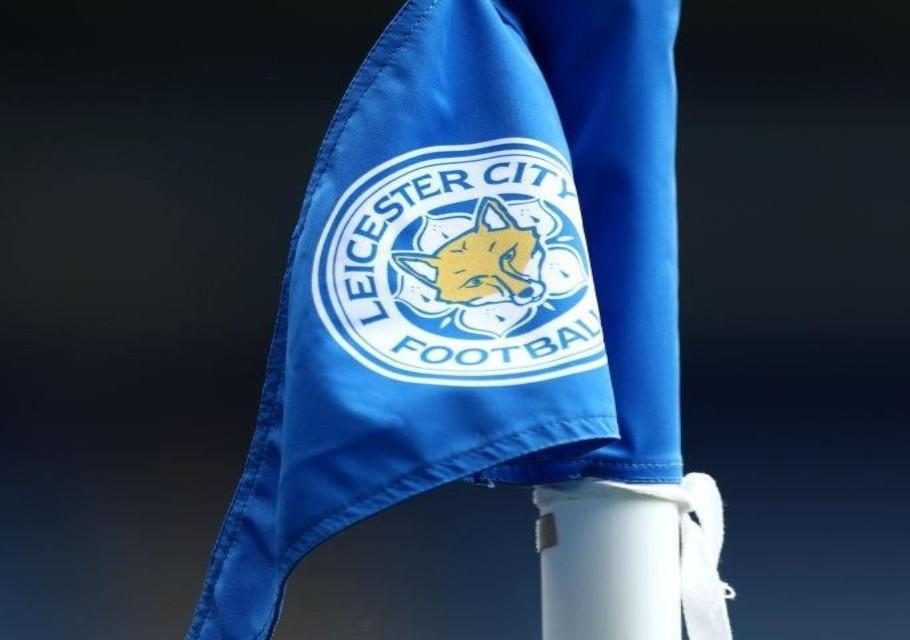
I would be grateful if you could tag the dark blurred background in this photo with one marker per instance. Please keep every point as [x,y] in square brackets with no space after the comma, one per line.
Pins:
[153,159]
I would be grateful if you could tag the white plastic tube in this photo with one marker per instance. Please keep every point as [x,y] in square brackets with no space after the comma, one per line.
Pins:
[613,570]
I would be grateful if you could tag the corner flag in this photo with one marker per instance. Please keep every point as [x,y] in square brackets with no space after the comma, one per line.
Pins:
[439,318]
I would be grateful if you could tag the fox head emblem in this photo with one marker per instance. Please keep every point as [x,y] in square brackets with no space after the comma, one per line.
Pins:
[494,261]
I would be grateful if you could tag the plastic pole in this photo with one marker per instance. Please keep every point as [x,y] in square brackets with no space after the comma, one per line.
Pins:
[613,570]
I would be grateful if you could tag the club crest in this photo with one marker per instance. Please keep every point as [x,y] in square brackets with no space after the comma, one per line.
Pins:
[462,266]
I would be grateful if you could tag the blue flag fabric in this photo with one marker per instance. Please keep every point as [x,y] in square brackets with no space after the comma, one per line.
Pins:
[439,318]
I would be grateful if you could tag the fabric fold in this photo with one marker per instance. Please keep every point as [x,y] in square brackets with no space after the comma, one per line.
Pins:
[609,68]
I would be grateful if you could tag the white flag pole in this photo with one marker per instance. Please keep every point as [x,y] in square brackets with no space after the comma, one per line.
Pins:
[610,563]
[618,561]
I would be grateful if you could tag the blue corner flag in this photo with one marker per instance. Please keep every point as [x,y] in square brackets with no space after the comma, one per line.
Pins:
[443,315]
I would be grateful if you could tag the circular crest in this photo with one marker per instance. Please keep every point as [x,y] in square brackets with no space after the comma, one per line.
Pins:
[461,265]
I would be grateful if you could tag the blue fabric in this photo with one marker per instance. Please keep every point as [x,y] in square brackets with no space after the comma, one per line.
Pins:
[438,318]
[609,67]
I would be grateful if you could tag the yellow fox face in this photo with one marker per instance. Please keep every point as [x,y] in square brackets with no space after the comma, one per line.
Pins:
[489,263]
